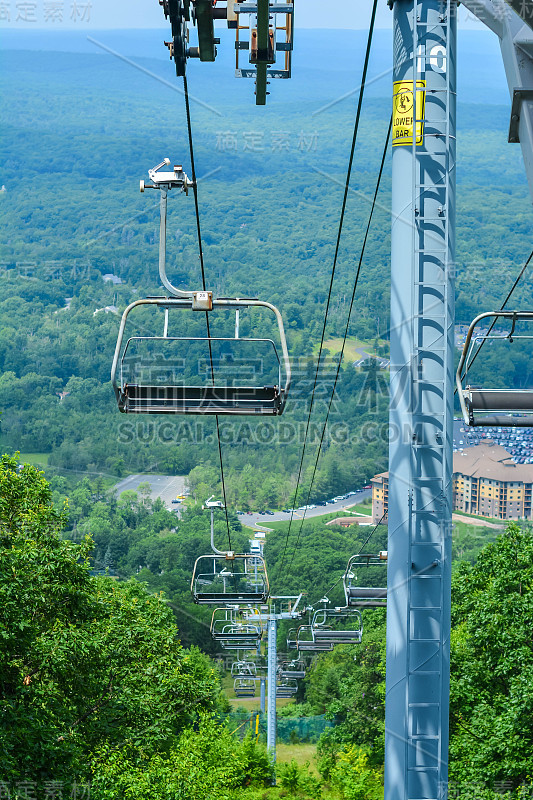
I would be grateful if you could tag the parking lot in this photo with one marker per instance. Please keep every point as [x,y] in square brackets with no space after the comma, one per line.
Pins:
[167,487]
[340,504]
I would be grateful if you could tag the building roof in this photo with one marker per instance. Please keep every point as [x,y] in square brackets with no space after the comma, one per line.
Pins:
[343,521]
[491,461]
[488,460]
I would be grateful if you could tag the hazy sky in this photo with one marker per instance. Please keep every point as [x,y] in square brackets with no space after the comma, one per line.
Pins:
[85,14]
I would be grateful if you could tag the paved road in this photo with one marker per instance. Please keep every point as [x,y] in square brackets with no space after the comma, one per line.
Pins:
[480,523]
[164,486]
[280,516]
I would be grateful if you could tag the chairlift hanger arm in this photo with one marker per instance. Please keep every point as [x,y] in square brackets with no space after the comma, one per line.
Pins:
[164,182]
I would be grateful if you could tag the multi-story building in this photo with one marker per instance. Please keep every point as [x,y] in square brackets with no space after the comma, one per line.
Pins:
[486,482]
[380,497]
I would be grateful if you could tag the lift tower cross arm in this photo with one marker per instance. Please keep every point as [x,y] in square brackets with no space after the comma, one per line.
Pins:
[512,22]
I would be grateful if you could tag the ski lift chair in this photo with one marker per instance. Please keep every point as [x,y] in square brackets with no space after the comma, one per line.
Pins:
[244,687]
[243,669]
[292,669]
[144,394]
[229,578]
[214,396]
[364,596]
[228,625]
[292,639]
[493,406]
[262,44]
[286,689]
[305,641]
[326,630]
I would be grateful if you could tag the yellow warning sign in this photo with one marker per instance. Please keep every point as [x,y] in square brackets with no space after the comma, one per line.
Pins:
[402,112]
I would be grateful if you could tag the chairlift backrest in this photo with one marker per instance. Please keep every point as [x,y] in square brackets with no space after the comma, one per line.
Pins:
[214,395]
[493,407]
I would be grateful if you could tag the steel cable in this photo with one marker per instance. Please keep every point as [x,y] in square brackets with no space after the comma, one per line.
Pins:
[334,267]
[493,323]
[356,282]
[204,287]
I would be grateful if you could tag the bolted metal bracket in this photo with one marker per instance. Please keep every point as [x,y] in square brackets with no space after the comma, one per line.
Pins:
[519,95]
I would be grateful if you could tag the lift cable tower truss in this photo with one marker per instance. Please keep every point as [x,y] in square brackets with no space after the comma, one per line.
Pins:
[282,608]
[421,398]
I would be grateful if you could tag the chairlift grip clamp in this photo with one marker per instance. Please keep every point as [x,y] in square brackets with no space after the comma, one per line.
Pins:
[202,301]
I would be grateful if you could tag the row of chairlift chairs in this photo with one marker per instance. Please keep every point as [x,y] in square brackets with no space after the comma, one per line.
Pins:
[237,584]
[342,625]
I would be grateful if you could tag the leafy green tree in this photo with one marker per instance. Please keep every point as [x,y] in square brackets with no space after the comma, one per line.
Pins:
[492,664]
[207,763]
[85,663]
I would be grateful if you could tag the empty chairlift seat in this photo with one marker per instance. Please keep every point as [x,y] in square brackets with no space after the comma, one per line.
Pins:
[229,578]
[286,688]
[153,374]
[244,687]
[230,627]
[358,596]
[495,406]
[243,669]
[292,669]
[367,596]
[306,643]
[334,626]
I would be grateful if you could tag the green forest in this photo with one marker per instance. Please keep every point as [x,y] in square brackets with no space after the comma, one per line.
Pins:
[73,213]
[111,684]
[110,678]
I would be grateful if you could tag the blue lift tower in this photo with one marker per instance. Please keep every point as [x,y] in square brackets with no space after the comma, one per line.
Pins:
[421,413]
